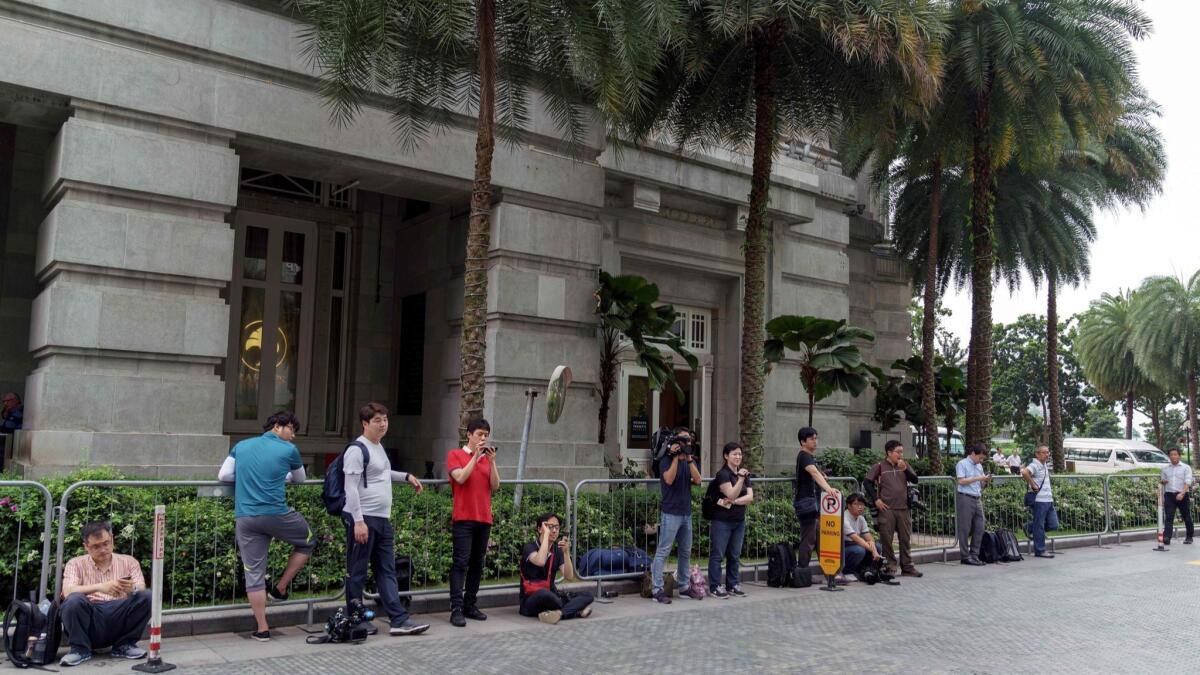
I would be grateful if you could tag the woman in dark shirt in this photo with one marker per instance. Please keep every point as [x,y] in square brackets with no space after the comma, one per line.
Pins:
[540,561]
[728,525]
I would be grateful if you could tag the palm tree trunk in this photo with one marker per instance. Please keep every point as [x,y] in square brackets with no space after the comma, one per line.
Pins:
[929,322]
[1191,413]
[1056,432]
[1156,425]
[979,413]
[1129,415]
[608,377]
[750,421]
[473,347]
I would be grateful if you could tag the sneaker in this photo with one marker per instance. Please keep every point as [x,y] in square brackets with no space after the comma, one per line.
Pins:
[474,614]
[550,616]
[1188,540]
[585,612]
[262,635]
[912,572]
[692,593]
[456,618]
[737,591]
[74,658]
[719,592]
[661,597]
[273,594]
[841,580]
[409,627]
[131,651]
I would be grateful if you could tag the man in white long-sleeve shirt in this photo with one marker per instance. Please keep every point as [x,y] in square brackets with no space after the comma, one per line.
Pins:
[260,466]
[367,515]
[1177,481]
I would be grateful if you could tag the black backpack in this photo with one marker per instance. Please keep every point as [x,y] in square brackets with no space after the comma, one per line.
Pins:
[801,576]
[333,492]
[1007,548]
[404,575]
[989,549]
[658,448]
[779,565]
[708,505]
[31,637]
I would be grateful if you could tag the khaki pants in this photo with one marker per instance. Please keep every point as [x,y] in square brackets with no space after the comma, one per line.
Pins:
[898,523]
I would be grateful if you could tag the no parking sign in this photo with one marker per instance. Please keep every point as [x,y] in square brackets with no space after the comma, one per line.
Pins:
[829,546]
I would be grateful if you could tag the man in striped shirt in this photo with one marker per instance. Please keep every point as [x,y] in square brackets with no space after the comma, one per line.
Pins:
[105,601]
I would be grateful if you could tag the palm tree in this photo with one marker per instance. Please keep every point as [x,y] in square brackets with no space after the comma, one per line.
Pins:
[630,320]
[1105,350]
[764,70]
[829,359]
[1166,336]
[428,62]
[1032,71]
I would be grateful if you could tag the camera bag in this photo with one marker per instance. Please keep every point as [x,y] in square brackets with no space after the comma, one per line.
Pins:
[779,565]
[801,577]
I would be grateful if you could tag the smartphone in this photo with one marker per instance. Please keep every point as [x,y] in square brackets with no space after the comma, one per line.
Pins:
[128,578]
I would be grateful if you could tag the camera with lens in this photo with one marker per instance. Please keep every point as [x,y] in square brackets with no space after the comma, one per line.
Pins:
[914,499]
[346,624]
[678,444]
[875,572]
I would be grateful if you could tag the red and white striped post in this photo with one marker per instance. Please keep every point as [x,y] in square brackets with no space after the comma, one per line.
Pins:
[155,663]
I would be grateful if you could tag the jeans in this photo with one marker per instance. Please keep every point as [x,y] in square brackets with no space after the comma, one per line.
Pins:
[545,599]
[115,623]
[1170,504]
[470,545]
[379,551]
[672,529]
[1045,518]
[854,556]
[726,544]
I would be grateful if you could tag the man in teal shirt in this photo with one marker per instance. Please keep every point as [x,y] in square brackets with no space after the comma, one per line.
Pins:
[260,466]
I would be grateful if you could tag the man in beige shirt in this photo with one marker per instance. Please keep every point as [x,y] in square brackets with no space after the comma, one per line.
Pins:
[105,601]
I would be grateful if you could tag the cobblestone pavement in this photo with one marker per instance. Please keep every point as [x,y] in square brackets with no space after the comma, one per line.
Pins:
[1122,609]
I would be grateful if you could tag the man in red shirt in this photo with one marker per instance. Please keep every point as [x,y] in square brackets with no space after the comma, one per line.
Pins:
[473,479]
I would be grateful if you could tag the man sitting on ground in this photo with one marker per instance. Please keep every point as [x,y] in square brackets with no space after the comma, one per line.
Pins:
[540,561]
[105,601]
[857,539]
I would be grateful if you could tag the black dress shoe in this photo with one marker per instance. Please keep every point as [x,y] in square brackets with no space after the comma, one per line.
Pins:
[973,561]
[456,618]
[474,614]
[1043,555]
[1188,540]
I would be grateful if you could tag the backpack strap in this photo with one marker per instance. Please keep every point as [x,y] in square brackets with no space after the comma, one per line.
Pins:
[366,458]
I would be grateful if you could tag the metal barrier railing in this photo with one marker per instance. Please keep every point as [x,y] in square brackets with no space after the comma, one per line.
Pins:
[615,513]
[25,526]
[933,521]
[1080,501]
[1132,504]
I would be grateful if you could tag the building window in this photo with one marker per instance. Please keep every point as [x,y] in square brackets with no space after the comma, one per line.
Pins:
[332,195]
[271,302]
[411,355]
[692,327]
[339,308]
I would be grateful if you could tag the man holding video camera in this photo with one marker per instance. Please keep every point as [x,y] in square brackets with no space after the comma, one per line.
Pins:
[678,471]
[473,479]
[887,485]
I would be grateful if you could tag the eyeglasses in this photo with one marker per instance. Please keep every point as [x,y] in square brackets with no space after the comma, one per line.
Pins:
[553,527]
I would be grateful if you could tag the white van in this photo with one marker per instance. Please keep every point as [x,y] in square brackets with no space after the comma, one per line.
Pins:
[956,447]
[1109,455]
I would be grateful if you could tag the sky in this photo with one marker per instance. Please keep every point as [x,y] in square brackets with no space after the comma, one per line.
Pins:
[1132,245]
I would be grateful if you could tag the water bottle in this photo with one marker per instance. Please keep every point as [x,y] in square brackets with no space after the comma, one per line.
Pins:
[44,606]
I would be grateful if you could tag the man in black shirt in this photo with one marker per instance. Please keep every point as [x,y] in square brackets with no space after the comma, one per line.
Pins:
[540,561]
[808,479]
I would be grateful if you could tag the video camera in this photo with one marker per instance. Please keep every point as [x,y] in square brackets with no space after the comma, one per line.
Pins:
[875,573]
[346,623]
[684,444]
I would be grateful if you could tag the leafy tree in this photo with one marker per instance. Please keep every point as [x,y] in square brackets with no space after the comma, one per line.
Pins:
[1021,382]
[828,358]
[1166,336]
[752,73]
[630,321]
[1166,429]
[428,61]
[948,346]
[1031,71]
[902,395]
[1101,422]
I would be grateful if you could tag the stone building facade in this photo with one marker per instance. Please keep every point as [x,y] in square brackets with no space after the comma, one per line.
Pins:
[188,244]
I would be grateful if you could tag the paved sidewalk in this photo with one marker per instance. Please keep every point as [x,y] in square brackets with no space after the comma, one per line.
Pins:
[1122,609]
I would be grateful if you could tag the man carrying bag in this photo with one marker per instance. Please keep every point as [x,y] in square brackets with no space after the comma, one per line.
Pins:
[1040,501]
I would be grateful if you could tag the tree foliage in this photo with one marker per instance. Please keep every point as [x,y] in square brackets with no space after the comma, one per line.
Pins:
[1020,381]
[1101,422]
[827,355]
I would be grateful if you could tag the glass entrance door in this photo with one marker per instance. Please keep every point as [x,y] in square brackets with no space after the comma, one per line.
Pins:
[643,411]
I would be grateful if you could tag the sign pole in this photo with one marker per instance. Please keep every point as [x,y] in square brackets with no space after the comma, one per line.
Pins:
[1161,529]
[530,394]
[154,664]
[829,546]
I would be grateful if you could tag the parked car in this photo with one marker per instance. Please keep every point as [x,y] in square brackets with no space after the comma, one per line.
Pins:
[1110,455]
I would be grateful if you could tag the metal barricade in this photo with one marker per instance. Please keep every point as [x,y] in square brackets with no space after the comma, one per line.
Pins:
[621,513]
[933,520]
[1132,501]
[26,525]
[1080,501]
[203,573]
